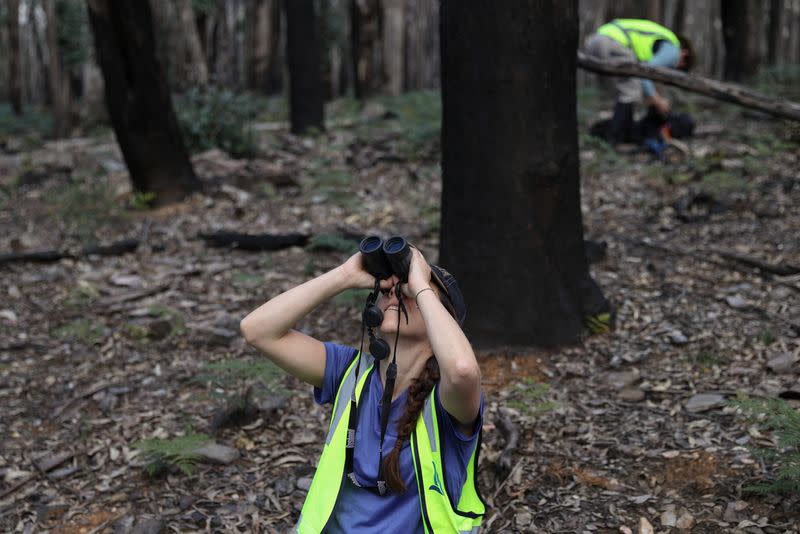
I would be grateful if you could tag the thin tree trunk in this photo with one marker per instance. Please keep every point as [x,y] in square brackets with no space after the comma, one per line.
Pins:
[775,30]
[679,17]
[739,36]
[421,54]
[512,229]
[305,79]
[138,100]
[355,49]
[59,79]
[393,34]
[198,70]
[14,70]
[259,29]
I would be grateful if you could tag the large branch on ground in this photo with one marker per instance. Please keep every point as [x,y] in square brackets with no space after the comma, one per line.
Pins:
[697,84]
[117,248]
[254,242]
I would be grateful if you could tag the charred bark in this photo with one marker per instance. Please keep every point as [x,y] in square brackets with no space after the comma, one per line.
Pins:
[138,100]
[306,93]
[14,72]
[512,229]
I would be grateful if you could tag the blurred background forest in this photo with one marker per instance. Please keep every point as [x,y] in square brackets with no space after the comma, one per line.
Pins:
[240,46]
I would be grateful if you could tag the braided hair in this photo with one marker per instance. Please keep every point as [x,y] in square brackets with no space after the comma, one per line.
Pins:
[418,391]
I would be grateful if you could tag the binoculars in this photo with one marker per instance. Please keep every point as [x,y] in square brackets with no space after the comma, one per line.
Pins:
[382,258]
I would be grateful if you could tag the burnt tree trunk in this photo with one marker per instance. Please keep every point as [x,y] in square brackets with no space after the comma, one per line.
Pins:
[138,100]
[355,48]
[306,93]
[739,36]
[512,229]
[195,62]
[59,77]
[14,71]
[775,30]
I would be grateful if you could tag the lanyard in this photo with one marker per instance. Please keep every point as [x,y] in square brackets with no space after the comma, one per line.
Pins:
[385,405]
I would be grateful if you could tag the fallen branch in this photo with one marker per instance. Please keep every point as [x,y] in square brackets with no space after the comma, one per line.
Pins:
[780,269]
[254,242]
[511,436]
[117,248]
[728,92]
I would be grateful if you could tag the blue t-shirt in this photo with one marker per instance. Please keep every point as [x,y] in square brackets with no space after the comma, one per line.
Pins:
[358,510]
[668,55]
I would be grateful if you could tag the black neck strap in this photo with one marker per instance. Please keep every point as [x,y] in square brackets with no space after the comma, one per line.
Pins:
[386,399]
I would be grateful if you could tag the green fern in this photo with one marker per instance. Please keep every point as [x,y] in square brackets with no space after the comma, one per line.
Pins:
[332,242]
[178,452]
[599,324]
[777,416]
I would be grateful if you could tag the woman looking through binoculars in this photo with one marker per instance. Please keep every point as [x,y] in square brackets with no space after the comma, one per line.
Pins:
[411,467]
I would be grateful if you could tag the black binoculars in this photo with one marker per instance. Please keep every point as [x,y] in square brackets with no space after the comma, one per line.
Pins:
[382,258]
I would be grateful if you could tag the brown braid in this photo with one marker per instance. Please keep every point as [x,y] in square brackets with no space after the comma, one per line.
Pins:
[418,391]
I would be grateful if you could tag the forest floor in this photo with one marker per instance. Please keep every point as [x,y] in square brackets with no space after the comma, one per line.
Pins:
[633,428]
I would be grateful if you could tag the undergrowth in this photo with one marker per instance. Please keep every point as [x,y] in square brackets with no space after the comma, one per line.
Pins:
[783,460]
[161,454]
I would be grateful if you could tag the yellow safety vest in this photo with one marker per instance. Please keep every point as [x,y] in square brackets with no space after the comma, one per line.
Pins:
[437,511]
[639,35]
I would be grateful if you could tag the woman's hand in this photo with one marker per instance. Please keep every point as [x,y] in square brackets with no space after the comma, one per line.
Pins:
[419,274]
[357,276]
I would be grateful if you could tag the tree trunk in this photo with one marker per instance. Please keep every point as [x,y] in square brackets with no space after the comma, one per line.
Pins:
[775,30]
[512,228]
[305,78]
[355,49]
[739,34]
[138,100]
[366,46]
[679,17]
[59,77]
[260,28]
[421,41]
[393,24]
[14,71]
[197,69]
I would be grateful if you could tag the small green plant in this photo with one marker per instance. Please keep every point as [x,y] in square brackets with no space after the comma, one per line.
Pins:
[246,280]
[767,337]
[82,294]
[143,200]
[706,360]
[599,324]
[86,331]
[528,397]
[721,182]
[331,242]
[268,190]
[217,118]
[179,452]
[777,416]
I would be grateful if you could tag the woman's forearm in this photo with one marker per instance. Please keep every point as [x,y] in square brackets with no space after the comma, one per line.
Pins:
[273,319]
[460,374]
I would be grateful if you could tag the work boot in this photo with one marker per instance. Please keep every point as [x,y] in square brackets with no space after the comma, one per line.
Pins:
[621,128]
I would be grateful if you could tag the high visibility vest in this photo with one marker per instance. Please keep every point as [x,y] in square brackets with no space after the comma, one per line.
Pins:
[639,35]
[439,515]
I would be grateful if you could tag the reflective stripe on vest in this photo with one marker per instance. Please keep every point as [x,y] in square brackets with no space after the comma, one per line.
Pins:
[639,35]
[436,508]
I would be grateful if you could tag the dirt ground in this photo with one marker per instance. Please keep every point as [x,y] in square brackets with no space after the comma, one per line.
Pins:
[633,431]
